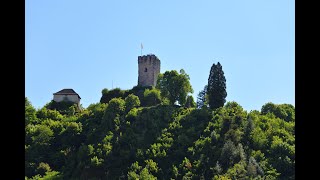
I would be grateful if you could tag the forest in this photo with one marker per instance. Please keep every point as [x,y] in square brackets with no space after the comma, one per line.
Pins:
[160,133]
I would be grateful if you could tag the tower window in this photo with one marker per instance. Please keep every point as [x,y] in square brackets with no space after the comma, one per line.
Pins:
[145,70]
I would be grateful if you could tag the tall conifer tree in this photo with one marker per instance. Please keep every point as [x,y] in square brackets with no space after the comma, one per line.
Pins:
[216,87]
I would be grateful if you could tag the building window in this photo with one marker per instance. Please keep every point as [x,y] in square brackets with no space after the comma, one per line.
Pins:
[145,70]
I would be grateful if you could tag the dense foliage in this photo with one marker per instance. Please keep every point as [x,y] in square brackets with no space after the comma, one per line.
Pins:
[202,98]
[216,88]
[122,140]
[143,134]
[174,86]
[139,91]
[64,107]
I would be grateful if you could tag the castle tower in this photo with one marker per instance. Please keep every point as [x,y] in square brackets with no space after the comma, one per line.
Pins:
[149,69]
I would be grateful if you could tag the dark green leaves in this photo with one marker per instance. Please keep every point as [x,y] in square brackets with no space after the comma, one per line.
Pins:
[216,90]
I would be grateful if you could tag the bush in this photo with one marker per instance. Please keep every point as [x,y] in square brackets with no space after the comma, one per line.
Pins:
[151,97]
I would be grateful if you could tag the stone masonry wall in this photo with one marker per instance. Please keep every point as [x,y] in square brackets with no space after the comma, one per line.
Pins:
[149,69]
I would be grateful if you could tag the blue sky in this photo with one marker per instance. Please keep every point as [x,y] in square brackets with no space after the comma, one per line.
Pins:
[91,45]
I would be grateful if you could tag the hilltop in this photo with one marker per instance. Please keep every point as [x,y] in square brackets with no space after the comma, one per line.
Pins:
[163,141]
[160,132]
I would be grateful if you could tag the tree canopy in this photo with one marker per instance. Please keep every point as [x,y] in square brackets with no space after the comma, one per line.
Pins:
[174,86]
[141,133]
[121,139]
[202,98]
[216,89]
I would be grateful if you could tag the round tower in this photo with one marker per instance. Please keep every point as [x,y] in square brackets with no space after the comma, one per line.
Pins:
[149,69]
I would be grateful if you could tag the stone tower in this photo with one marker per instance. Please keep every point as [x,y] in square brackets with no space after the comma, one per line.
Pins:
[149,69]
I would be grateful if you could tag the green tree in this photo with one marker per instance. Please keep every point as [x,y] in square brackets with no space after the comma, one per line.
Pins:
[253,168]
[45,113]
[43,168]
[63,107]
[131,101]
[43,134]
[217,168]
[282,111]
[168,142]
[30,112]
[174,86]
[237,171]
[115,107]
[95,109]
[229,154]
[152,97]
[52,175]
[135,171]
[190,102]
[216,87]
[202,98]
[268,108]
[107,95]
[113,113]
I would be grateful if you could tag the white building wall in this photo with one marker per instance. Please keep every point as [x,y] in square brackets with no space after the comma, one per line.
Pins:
[73,98]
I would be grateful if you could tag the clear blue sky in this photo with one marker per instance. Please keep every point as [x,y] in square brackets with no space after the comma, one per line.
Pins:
[90,45]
